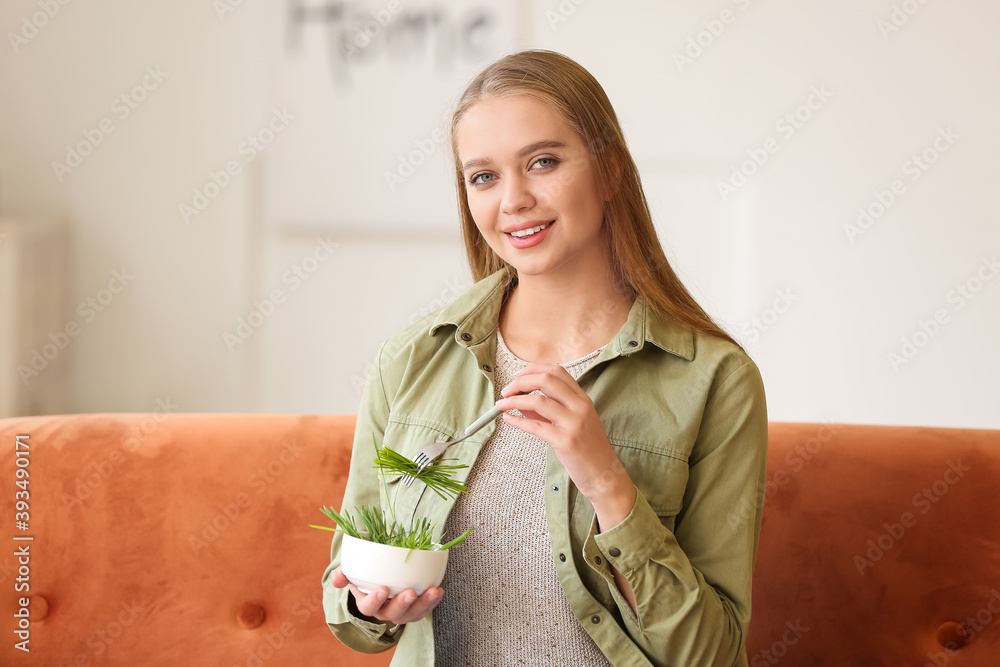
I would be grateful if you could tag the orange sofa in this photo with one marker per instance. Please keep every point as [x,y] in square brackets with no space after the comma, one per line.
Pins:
[183,539]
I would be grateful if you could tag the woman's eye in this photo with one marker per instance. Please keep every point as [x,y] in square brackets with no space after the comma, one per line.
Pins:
[551,160]
[475,179]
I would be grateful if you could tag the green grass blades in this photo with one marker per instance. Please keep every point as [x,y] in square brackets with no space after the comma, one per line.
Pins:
[458,540]
[437,476]
[377,527]
[345,524]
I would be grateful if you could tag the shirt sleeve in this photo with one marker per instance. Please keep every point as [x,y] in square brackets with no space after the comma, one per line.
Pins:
[692,584]
[362,488]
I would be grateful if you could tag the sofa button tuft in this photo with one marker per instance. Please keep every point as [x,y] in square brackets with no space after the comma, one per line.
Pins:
[38,607]
[250,615]
[952,635]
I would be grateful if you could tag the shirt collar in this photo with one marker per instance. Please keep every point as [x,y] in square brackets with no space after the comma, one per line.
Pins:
[475,314]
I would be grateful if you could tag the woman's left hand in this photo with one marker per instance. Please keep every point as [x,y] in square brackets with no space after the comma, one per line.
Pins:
[564,416]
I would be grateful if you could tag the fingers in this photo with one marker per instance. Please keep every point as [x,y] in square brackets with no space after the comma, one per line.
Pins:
[552,380]
[338,579]
[412,607]
[551,371]
[532,405]
[406,607]
[558,402]
[370,604]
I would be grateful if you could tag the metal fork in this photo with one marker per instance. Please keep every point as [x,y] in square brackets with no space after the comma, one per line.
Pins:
[433,451]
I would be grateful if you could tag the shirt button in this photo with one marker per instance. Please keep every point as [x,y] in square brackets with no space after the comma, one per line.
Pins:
[486,367]
[614,552]
[633,343]
[595,619]
[466,336]
[598,560]
[562,557]
[555,488]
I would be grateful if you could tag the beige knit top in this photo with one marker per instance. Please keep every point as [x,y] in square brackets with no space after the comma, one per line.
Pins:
[503,603]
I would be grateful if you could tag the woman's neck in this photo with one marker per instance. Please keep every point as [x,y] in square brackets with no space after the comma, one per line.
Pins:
[544,321]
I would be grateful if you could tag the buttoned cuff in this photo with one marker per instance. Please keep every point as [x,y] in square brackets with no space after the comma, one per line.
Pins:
[379,632]
[627,546]
[337,613]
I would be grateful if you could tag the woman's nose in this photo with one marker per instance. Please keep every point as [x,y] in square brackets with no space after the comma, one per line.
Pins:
[517,195]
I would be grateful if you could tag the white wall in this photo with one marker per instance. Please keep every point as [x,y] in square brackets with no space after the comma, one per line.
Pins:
[824,358]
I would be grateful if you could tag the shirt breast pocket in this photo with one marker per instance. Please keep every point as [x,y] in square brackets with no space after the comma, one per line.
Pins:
[407,436]
[660,474]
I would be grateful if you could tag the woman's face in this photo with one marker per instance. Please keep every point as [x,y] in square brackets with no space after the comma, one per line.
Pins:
[525,167]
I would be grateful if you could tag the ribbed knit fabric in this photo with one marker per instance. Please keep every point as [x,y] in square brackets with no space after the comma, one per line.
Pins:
[503,604]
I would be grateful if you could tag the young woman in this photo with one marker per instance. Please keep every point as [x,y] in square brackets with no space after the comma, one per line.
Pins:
[616,503]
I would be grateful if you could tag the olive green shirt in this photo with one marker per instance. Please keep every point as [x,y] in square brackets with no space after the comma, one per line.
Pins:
[684,411]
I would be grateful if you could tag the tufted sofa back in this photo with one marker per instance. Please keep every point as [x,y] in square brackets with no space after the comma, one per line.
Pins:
[176,540]
[184,540]
[880,545]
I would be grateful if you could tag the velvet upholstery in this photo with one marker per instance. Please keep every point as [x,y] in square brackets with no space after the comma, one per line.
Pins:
[184,540]
[193,530]
[878,540]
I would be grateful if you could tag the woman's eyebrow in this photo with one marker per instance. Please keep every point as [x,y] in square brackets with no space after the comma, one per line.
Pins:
[530,148]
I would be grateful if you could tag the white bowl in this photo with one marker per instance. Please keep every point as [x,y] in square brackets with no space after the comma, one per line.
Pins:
[368,565]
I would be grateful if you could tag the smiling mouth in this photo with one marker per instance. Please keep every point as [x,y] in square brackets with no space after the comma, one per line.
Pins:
[526,233]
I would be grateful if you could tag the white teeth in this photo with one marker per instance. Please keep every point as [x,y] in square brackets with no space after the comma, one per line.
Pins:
[529,232]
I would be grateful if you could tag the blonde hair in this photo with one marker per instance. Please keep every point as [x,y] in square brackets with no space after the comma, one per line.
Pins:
[638,263]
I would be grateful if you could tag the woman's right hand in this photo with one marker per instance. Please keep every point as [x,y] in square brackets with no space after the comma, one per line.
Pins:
[406,607]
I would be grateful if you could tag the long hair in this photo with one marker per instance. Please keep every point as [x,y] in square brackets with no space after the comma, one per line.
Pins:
[638,263]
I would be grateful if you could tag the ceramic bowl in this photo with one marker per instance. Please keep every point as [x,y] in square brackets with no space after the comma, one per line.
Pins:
[368,565]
